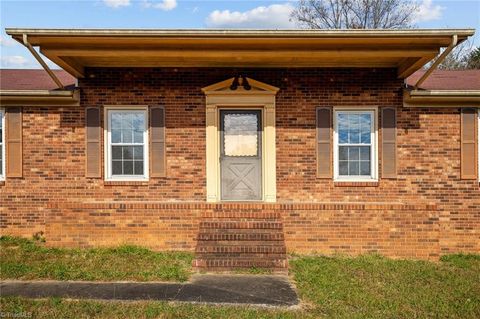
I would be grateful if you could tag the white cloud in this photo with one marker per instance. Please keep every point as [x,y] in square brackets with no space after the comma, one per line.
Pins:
[165,5]
[427,11]
[14,61]
[275,16]
[6,41]
[116,3]
[21,62]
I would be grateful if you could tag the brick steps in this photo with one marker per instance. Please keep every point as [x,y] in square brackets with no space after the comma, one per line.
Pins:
[241,240]
[250,235]
[241,225]
[223,264]
[254,249]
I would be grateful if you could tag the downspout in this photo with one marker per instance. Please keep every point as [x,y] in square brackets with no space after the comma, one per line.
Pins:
[442,57]
[40,60]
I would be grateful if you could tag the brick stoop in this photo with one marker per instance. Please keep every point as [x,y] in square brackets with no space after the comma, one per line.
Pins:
[231,240]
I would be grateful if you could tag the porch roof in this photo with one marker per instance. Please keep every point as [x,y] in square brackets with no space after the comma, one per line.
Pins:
[75,49]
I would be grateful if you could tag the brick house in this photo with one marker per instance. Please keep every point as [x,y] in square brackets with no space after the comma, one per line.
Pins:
[243,145]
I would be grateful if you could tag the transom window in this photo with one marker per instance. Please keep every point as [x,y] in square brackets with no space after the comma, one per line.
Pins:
[127,147]
[2,144]
[355,144]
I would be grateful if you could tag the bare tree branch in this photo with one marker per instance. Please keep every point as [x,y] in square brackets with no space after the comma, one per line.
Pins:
[355,14]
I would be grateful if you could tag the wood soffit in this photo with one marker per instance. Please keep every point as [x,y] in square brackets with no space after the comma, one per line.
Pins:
[76,49]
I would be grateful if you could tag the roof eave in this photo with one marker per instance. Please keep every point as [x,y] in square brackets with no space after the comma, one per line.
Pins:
[442,98]
[462,33]
[76,49]
[40,98]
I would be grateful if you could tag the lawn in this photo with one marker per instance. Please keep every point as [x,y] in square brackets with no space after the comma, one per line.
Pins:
[368,286]
[26,259]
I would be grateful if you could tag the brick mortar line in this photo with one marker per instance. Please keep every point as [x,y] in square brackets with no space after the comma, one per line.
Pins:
[242,206]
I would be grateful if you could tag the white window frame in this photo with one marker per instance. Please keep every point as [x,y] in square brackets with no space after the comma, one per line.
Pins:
[2,121]
[107,148]
[373,151]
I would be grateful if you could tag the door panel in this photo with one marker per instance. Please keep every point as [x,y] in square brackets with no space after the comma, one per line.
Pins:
[241,155]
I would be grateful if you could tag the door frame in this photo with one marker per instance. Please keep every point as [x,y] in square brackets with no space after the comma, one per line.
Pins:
[262,149]
[259,96]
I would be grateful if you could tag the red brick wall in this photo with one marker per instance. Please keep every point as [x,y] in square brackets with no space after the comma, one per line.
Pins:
[428,165]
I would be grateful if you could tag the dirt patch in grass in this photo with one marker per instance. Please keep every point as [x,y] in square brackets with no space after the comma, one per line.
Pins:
[26,260]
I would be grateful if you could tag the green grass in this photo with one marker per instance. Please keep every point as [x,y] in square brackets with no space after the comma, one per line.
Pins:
[374,287]
[58,308]
[26,259]
[368,286]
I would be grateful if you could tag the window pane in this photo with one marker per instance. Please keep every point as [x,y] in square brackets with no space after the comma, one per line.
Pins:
[117,168]
[365,168]
[138,168]
[128,167]
[353,153]
[127,121]
[343,168]
[138,152]
[116,121]
[127,152]
[353,168]
[138,136]
[127,136]
[116,136]
[116,152]
[354,128]
[342,128]
[240,134]
[138,122]
[343,153]
[365,127]
[365,153]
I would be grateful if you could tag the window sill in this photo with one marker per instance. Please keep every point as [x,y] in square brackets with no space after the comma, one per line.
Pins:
[366,183]
[125,182]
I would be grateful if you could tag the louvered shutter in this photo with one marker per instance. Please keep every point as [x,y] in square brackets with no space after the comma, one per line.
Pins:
[468,144]
[389,142]
[93,143]
[324,142]
[13,142]
[157,141]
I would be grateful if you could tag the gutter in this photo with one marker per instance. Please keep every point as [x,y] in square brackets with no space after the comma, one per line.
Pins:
[274,33]
[442,98]
[442,57]
[40,60]
[39,98]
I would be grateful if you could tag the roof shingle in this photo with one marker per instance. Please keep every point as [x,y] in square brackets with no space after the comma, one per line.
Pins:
[448,80]
[23,79]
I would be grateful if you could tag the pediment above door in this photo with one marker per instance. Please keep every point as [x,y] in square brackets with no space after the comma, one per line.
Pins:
[254,87]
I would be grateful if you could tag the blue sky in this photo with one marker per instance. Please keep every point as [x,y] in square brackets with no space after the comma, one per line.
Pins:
[186,14]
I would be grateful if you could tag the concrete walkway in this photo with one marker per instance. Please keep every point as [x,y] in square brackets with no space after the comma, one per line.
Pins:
[232,289]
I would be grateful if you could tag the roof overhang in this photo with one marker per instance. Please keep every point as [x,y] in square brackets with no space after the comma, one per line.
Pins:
[441,98]
[39,98]
[76,49]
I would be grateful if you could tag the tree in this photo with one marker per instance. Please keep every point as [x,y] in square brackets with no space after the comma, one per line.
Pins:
[473,59]
[355,14]
[464,56]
